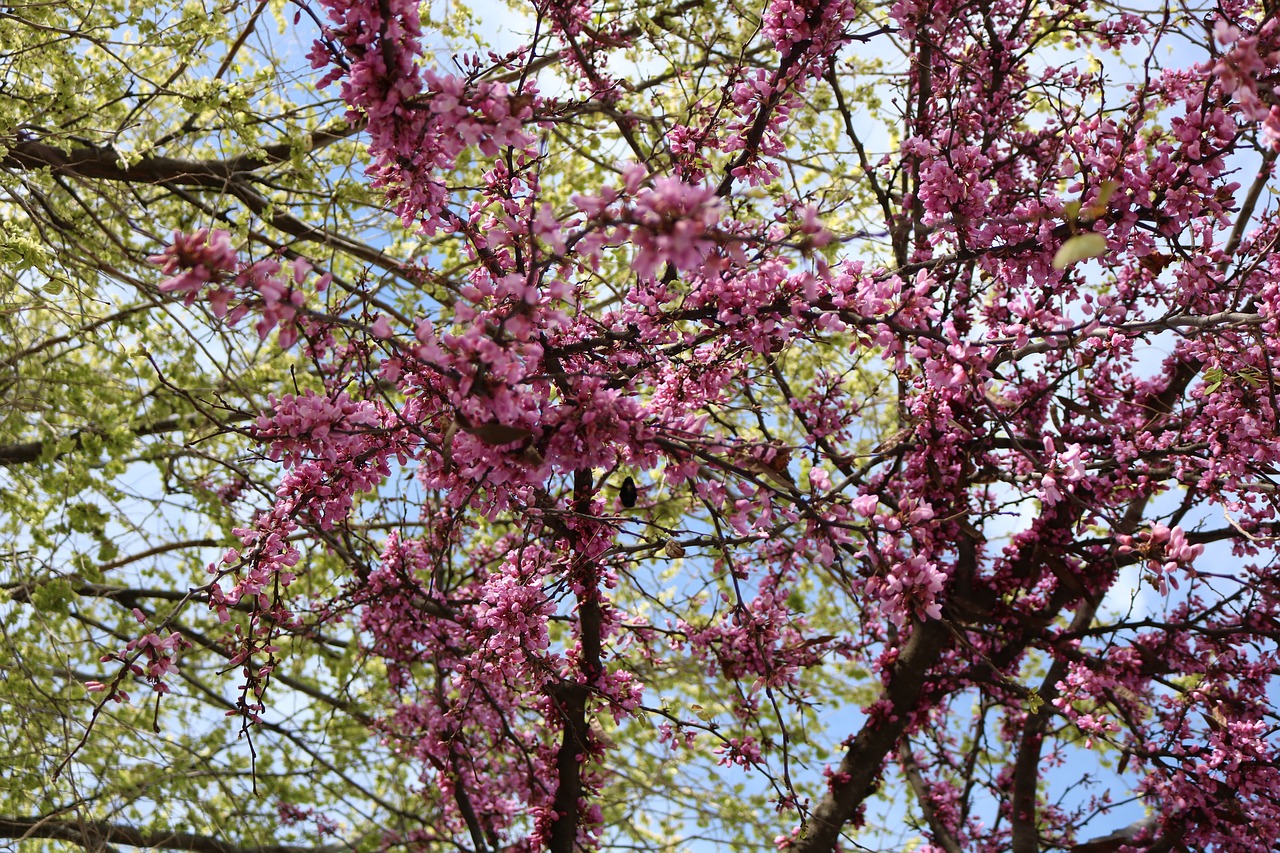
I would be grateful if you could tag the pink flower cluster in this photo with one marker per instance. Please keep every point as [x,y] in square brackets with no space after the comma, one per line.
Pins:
[150,657]
[204,264]
[319,426]
[1241,72]
[419,119]
[672,222]
[1165,550]
[909,590]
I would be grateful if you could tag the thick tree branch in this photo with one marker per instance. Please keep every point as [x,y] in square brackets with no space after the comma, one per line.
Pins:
[571,705]
[230,176]
[93,835]
[107,164]
[31,451]
[1115,840]
[571,698]
[942,835]
[855,777]
[1026,767]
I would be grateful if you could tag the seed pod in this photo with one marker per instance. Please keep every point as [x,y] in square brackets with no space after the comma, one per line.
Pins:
[673,549]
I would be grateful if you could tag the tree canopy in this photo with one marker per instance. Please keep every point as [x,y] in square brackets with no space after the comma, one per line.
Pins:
[802,424]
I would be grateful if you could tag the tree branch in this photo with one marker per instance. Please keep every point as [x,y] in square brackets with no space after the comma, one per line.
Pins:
[30,451]
[93,835]
[1114,841]
[1026,768]
[942,835]
[107,164]
[854,779]
[571,698]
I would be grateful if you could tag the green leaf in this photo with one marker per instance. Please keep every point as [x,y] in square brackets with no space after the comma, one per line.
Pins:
[1079,248]
[1212,379]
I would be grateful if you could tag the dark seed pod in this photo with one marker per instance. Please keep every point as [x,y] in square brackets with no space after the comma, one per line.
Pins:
[627,494]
